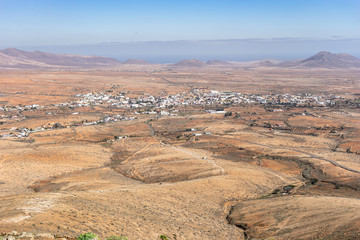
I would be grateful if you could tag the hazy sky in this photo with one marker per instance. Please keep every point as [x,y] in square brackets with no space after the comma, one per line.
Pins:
[70,22]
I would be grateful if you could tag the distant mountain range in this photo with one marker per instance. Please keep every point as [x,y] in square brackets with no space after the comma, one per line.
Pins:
[18,59]
[322,59]
[15,58]
[198,63]
[190,63]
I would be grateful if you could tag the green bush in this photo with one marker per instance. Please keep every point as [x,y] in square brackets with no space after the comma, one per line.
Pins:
[117,238]
[227,114]
[164,237]
[86,236]
[313,181]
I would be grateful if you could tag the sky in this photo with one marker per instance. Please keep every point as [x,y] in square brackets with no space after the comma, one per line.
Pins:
[61,25]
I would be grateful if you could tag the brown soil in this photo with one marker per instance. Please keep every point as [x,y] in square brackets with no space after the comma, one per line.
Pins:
[164,179]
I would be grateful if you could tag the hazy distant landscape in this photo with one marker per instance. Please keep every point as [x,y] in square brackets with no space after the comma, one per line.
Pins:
[17,59]
[204,50]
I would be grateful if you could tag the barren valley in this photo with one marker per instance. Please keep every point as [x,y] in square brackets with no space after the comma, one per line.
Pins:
[213,151]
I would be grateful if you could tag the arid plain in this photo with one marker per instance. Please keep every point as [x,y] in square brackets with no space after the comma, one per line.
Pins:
[220,170]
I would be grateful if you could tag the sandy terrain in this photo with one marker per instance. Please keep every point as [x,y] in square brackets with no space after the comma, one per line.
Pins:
[195,175]
[300,216]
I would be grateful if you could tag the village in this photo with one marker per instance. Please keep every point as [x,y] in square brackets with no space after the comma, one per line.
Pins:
[202,97]
[165,105]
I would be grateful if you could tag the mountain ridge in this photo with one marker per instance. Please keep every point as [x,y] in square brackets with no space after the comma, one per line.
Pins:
[15,58]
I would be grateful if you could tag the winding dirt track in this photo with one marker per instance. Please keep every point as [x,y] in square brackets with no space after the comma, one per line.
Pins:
[212,162]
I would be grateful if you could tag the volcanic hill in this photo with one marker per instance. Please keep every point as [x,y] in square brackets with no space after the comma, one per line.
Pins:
[217,62]
[325,59]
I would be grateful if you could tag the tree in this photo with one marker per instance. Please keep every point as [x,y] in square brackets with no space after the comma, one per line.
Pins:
[227,114]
